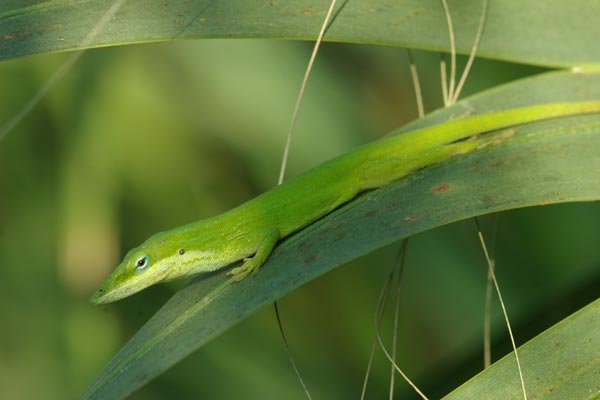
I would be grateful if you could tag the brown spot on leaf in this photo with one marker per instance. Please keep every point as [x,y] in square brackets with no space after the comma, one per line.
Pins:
[443,187]
[393,205]
[370,213]
[15,36]
[342,235]
[303,247]
[490,199]
[328,229]
[410,218]
[311,259]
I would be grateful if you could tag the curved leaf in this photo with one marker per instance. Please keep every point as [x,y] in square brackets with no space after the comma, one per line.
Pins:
[547,162]
[572,348]
[552,33]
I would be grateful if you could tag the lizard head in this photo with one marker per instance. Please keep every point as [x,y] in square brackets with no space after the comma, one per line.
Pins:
[141,267]
[163,257]
[133,274]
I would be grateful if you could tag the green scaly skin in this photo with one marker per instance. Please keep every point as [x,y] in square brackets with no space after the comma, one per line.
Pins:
[250,231]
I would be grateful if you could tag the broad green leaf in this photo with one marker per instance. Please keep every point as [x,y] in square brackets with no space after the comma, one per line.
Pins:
[557,364]
[547,162]
[552,32]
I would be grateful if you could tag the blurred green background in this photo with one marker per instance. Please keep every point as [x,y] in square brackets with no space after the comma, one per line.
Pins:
[139,139]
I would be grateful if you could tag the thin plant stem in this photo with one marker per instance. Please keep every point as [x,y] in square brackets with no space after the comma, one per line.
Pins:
[288,142]
[379,312]
[289,352]
[487,326]
[400,262]
[368,372]
[444,78]
[452,53]
[379,316]
[504,312]
[478,36]
[414,74]
[383,299]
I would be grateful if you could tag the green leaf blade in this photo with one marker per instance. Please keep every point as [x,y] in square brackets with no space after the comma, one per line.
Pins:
[558,364]
[515,31]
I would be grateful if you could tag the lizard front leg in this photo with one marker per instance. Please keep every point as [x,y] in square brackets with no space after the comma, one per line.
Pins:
[268,242]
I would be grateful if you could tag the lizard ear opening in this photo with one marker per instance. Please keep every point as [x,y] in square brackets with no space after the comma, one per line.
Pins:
[141,263]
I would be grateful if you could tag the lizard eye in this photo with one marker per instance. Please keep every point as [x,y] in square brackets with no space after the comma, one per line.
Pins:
[141,263]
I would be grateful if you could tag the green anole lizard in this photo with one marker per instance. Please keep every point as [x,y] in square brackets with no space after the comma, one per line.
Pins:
[250,231]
